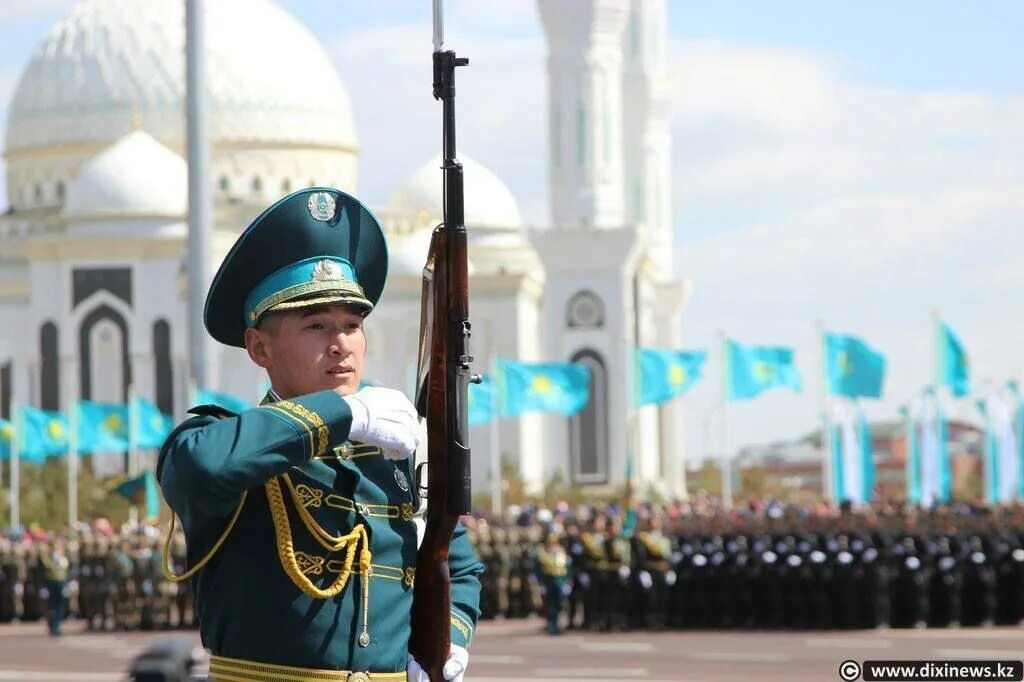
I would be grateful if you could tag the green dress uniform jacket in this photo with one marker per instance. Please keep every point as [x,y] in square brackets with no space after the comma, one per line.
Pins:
[300,483]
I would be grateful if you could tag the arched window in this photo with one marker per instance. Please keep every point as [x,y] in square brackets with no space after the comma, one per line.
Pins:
[588,429]
[286,186]
[162,366]
[60,191]
[224,183]
[38,193]
[104,368]
[257,184]
[49,368]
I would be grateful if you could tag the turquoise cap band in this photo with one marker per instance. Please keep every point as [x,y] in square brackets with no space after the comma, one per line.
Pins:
[320,275]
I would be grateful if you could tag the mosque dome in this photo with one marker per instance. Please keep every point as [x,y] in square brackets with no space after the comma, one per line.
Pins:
[110,184]
[279,117]
[268,79]
[489,203]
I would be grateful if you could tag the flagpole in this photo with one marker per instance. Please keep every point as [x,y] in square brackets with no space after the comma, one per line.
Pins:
[495,444]
[726,462]
[73,465]
[827,487]
[133,448]
[16,438]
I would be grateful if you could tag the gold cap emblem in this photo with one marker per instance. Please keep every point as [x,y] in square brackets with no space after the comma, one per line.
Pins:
[321,206]
[327,271]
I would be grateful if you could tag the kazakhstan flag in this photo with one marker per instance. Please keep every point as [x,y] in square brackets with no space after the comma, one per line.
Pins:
[481,402]
[43,433]
[228,402]
[954,369]
[142,490]
[6,436]
[753,369]
[152,426]
[664,374]
[542,387]
[853,368]
[102,427]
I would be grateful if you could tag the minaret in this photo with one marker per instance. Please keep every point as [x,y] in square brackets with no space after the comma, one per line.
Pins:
[647,141]
[584,40]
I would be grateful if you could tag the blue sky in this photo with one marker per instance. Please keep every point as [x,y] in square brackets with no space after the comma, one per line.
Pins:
[857,163]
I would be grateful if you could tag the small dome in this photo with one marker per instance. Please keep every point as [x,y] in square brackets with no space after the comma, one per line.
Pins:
[489,204]
[136,176]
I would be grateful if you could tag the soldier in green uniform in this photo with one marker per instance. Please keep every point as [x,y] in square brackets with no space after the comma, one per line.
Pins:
[300,515]
[553,573]
[54,565]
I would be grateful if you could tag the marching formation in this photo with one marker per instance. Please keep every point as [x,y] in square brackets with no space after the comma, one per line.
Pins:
[765,566]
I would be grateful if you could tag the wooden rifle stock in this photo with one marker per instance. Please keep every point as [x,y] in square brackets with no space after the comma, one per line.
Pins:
[442,384]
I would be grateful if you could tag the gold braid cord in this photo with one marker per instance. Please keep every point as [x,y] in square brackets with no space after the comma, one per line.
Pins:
[209,555]
[286,548]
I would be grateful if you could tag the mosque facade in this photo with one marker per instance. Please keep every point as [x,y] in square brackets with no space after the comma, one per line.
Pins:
[93,245]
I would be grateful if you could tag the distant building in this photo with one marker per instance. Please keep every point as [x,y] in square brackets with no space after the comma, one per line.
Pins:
[93,293]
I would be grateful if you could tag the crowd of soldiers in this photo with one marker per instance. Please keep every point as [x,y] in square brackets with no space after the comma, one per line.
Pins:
[111,580]
[685,565]
[760,566]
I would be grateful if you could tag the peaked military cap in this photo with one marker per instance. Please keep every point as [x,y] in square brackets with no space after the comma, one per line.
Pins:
[313,247]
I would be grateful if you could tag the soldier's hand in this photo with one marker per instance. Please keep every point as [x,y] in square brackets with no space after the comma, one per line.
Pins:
[453,671]
[386,418]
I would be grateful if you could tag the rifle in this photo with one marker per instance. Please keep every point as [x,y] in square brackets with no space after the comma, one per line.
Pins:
[443,378]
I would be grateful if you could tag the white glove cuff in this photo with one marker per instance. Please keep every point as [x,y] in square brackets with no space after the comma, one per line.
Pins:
[360,417]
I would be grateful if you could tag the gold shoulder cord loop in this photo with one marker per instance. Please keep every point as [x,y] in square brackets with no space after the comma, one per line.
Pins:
[209,555]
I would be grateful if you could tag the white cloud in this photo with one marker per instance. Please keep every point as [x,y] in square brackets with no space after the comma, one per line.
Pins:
[500,101]
[861,206]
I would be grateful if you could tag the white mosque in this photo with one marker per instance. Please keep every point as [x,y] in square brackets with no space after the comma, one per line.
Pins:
[93,294]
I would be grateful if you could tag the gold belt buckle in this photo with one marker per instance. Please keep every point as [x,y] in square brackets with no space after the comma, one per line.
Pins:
[359,677]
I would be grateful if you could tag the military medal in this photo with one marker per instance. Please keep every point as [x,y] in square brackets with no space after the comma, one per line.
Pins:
[400,479]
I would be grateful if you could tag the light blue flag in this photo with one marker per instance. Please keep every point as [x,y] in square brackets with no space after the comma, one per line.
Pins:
[913,467]
[228,402]
[142,489]
[867,458]
[935,472]
[854,477]
[6,436]
[542,387]
[481,402]
[43,433]
[1015,390]
[852,367]
[753,369]
[151,426]
[954,367]
[663,374]
[102,427]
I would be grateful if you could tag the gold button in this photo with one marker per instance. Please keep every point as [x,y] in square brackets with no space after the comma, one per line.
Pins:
[359,677]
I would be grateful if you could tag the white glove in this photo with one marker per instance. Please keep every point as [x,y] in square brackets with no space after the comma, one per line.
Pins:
[384,417]
[454,668]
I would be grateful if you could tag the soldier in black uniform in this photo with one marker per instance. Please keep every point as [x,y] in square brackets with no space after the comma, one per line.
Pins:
[619,571]
[593,575]
[652,552]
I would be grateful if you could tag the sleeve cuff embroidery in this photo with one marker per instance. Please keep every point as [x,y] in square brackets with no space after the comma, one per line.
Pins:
[463,625]
[309,421]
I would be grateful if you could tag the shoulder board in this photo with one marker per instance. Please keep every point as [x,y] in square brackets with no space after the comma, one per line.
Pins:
[212,411]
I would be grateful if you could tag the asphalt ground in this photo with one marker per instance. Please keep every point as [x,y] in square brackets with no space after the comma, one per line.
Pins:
[518,650]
